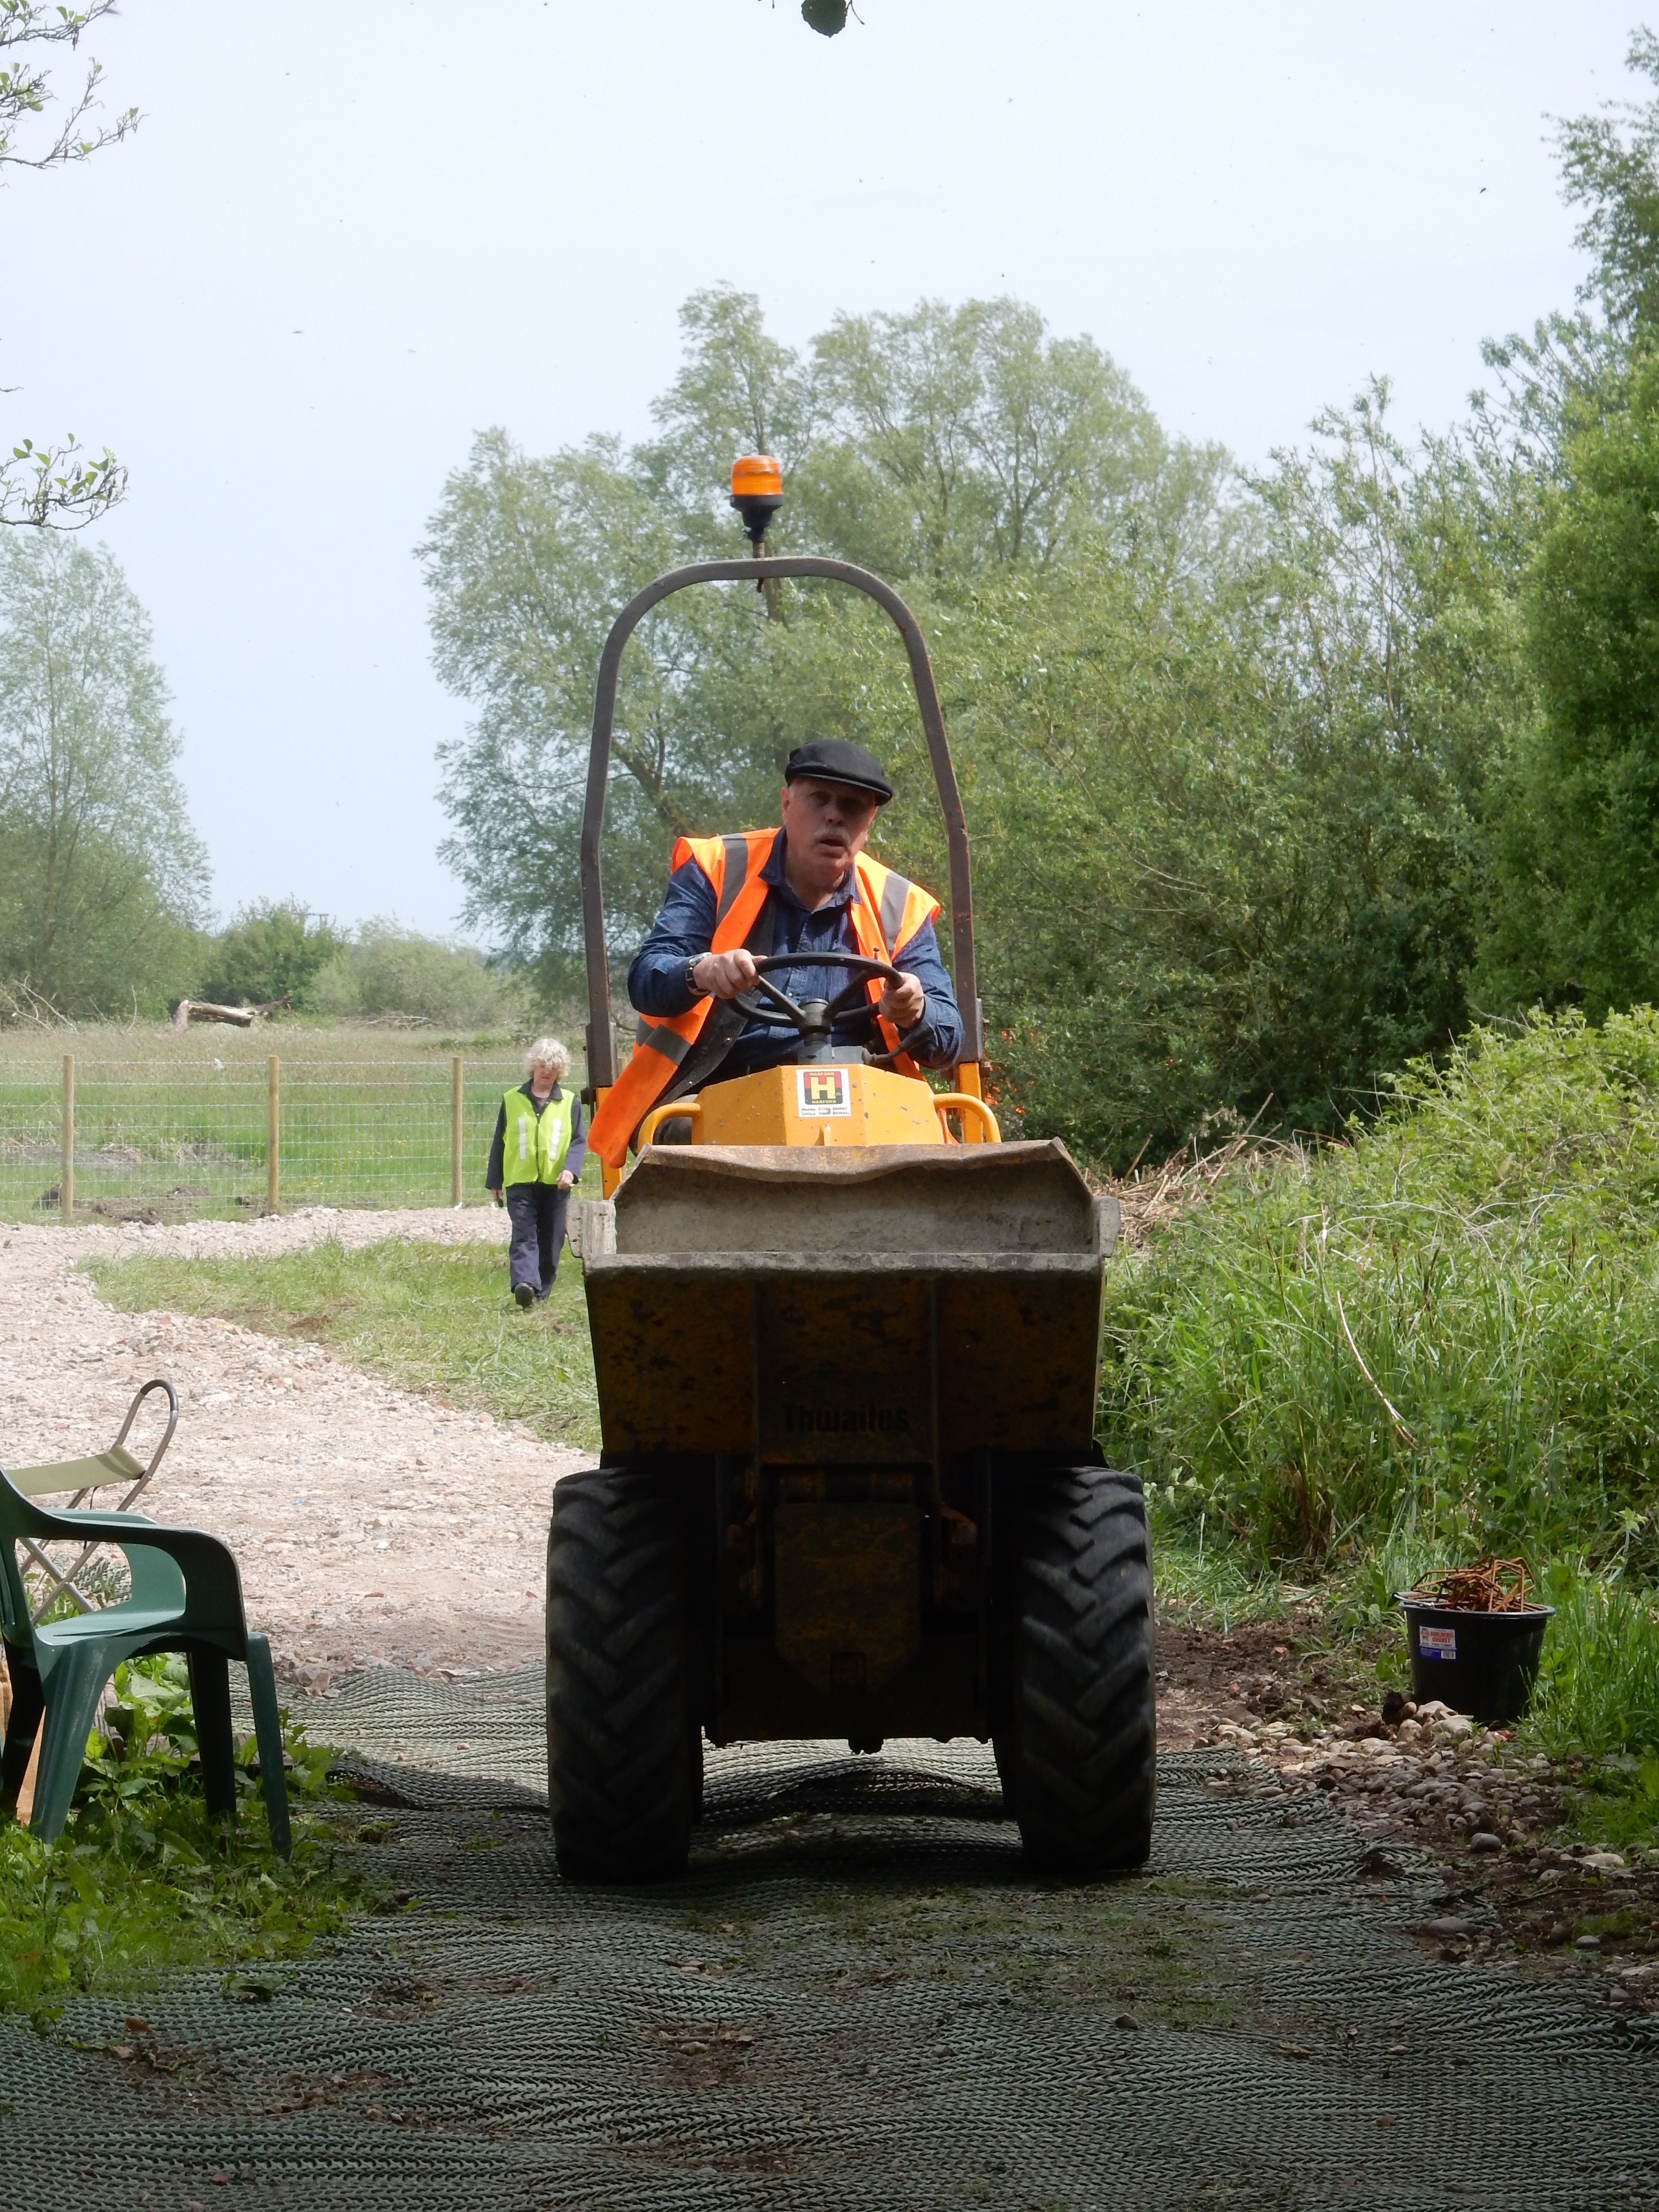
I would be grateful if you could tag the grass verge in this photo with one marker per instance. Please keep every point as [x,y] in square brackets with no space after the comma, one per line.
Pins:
[428,1317]
[1438,1339]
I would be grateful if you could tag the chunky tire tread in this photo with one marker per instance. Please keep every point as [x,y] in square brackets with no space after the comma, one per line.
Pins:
[624,1757]
[1079,1761]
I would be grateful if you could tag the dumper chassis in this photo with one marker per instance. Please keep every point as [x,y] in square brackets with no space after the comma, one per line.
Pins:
[847,1370]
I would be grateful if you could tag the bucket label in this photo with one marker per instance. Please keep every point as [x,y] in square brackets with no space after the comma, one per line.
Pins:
[822,1094]
[1437,1643]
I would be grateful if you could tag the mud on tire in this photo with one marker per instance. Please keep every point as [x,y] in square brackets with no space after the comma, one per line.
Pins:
[1078,1757]
[624,1752]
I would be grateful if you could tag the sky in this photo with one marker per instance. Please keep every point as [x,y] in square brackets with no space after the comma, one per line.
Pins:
[345,238]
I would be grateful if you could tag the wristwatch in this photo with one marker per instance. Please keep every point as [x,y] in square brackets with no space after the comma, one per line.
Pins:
[691,983]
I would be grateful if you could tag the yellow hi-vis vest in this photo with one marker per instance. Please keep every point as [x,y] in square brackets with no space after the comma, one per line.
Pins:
[533,1145]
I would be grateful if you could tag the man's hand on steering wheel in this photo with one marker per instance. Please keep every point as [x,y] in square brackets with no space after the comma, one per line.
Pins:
[902,1002]
[724,975]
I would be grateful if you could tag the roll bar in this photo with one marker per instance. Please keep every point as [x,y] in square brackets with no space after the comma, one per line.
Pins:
[601,1043]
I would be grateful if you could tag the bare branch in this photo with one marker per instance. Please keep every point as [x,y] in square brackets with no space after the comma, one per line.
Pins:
[54,486]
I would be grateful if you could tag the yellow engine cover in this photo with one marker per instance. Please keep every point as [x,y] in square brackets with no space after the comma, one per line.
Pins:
[833,1102]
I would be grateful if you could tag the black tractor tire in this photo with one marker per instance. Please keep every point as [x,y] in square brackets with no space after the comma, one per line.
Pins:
[624,1751]
[1078,1754]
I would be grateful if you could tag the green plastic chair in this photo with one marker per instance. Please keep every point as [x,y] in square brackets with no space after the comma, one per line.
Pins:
[186,1597]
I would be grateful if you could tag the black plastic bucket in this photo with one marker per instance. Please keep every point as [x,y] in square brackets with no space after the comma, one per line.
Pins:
[1480,1663]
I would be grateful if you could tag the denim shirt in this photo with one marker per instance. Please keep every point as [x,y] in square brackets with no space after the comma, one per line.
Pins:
[686,926]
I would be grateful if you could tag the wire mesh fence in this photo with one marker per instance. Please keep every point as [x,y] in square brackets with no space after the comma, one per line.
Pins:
[168,1141]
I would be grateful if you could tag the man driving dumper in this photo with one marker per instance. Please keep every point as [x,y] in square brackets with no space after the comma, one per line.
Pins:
[806,887]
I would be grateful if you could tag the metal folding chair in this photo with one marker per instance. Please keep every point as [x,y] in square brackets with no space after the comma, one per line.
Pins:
[84,1478]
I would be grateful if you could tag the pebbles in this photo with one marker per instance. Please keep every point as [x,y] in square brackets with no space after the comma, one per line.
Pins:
[1432,1777]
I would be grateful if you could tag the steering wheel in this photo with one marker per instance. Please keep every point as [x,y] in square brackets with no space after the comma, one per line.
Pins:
[815,1018]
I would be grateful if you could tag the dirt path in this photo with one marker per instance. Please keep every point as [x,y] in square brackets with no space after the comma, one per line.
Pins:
[373,1525]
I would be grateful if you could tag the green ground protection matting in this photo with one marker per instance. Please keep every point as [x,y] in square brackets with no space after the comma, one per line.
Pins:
[856,1997]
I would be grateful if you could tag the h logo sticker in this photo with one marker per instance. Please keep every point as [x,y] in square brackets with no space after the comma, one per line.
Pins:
[822,1094]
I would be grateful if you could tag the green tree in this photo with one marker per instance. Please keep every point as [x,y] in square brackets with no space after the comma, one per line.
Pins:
[1226,828]
[102,878]
[59,484]
[1579,921]
[738,391]
[389,970]
[1573,894]
[956,439]
[1225,744]
[272,950]
[529,560]
[1610,169]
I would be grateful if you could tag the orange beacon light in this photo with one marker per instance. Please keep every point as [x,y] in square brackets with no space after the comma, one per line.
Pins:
[756,493]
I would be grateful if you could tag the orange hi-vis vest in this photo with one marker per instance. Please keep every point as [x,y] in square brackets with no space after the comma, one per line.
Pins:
[886,913]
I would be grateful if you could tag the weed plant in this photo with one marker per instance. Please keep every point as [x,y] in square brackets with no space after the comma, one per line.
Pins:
[143,1880]
[428,1317]
[1438,1340]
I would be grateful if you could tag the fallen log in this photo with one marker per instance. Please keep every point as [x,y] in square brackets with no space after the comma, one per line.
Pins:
[204,1010]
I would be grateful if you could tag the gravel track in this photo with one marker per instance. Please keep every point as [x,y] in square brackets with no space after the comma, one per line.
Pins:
[373,1527]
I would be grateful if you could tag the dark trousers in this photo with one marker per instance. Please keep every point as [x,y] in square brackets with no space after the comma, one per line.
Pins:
[537,1211]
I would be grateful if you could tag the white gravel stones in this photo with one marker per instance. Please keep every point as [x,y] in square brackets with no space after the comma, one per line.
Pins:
[373,1525]
[1433,1775]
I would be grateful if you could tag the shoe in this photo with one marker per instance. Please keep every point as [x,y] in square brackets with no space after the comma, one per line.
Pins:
[524,1295]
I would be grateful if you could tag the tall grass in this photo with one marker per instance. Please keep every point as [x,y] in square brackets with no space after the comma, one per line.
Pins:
[1598,1684]
[1444,1334]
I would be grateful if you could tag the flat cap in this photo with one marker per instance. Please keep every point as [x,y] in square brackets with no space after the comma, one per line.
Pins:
[838,760]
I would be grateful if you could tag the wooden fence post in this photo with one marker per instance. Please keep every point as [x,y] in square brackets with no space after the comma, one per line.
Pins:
[455,1104]
[273,1130]
[66,1179]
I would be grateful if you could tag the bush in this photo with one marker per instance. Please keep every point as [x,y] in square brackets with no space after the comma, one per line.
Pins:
[387,970]
[271,951]
[1440,1333]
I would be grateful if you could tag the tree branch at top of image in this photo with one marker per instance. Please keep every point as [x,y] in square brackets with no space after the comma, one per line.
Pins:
[25,90]
[54,485]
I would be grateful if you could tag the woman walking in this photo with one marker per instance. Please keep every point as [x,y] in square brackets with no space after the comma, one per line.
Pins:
[538,1154]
